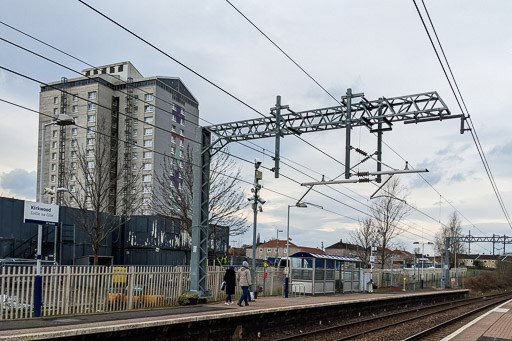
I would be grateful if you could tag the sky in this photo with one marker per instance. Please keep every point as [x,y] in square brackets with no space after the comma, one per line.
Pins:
[376,47]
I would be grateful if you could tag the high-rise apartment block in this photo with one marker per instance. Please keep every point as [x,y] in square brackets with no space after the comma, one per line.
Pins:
[117,112]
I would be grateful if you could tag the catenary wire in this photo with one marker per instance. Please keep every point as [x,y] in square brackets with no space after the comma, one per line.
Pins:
[473,131]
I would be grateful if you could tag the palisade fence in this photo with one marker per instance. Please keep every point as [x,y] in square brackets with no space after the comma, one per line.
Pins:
[431,278]
[89,289]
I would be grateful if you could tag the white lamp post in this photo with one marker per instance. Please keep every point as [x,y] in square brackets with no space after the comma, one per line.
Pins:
[423,258]
[288,267]
[277,246]
[60,120]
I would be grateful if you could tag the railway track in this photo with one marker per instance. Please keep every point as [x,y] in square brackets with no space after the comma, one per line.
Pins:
[422,323]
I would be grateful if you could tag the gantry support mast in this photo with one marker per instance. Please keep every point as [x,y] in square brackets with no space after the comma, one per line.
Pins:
[355,110]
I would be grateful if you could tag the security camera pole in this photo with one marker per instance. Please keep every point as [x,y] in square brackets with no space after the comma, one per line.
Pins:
[257,177]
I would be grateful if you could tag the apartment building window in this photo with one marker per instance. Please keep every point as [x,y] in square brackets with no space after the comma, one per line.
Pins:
[146,190]
[136,109]
[75,108]
[148,143]
[54,145]
[74,131]
[91,141]
[90,153]
[181,153]
[54,156]
[54,167]
[181,143]
[134,166]
[91,107]
[149,97]
[91,130]
[134,156]
[148,120]
[182,122]
[136,98]
[91,95]
[75,97]
[135,123]
[148,131]
[173,139]
[52,178]
[72,177]
[182,132]
[146,178]
[75,119]
[55,100]
[173,150]
[90,164]
[54,133]
[73,165]
[91,118]
[135,132]
[148,108]
[174,118]
[72,189]
[55,111]
[73,154]
[146,201]
[148,155]
[173,127]
[147,166]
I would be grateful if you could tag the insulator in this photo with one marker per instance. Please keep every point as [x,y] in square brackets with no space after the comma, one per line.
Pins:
[363,173]
[362,152]
[364,180]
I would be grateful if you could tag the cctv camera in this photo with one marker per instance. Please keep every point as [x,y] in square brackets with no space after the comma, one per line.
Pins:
[261,201]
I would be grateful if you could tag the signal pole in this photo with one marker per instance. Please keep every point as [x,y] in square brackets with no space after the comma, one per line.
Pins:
[258,175]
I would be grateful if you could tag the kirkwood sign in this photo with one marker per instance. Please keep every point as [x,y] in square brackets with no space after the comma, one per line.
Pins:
[39,213]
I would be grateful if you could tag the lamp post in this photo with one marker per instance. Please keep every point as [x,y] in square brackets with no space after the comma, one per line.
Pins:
[277,245]
[288,267]
[258,175]
[60,120]
[422,258]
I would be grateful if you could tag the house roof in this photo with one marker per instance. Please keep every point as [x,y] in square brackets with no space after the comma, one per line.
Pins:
[273,243]
[345,246]
[311,249]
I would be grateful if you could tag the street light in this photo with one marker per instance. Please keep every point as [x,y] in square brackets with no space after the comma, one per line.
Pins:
[60,120]
[287,278]
[277,245]
[422,258]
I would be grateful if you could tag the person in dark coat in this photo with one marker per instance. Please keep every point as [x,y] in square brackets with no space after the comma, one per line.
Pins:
[230,279]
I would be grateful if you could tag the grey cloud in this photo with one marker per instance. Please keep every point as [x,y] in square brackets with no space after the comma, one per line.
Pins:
[19,182]
[505,149]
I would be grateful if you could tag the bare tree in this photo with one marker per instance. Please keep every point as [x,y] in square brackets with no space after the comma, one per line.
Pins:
[452,229]
[99,188]
[174,192]
[365,237]
[387,211]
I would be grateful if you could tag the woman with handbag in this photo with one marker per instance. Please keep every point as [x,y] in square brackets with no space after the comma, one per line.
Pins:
[230,280]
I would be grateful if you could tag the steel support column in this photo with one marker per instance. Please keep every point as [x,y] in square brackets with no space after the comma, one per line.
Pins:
[200,228]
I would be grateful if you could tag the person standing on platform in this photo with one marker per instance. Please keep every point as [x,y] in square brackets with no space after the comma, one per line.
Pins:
[244,279]
[230,279]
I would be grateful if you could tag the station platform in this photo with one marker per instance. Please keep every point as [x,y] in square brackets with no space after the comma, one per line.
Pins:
[495,325]
[136,321]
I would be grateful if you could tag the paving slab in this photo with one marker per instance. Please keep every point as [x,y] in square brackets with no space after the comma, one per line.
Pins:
[53,327]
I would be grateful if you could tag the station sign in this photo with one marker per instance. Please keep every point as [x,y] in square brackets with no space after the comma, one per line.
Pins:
[40,213]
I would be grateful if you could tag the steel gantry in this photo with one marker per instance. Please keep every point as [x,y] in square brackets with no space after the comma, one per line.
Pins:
[354,111]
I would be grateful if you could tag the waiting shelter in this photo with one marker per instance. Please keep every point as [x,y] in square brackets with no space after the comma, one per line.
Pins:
[315,273]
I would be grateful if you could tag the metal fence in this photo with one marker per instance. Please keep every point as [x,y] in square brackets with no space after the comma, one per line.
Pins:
[89,289]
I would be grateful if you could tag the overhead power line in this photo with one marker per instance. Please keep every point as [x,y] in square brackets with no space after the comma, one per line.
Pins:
[473,132]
